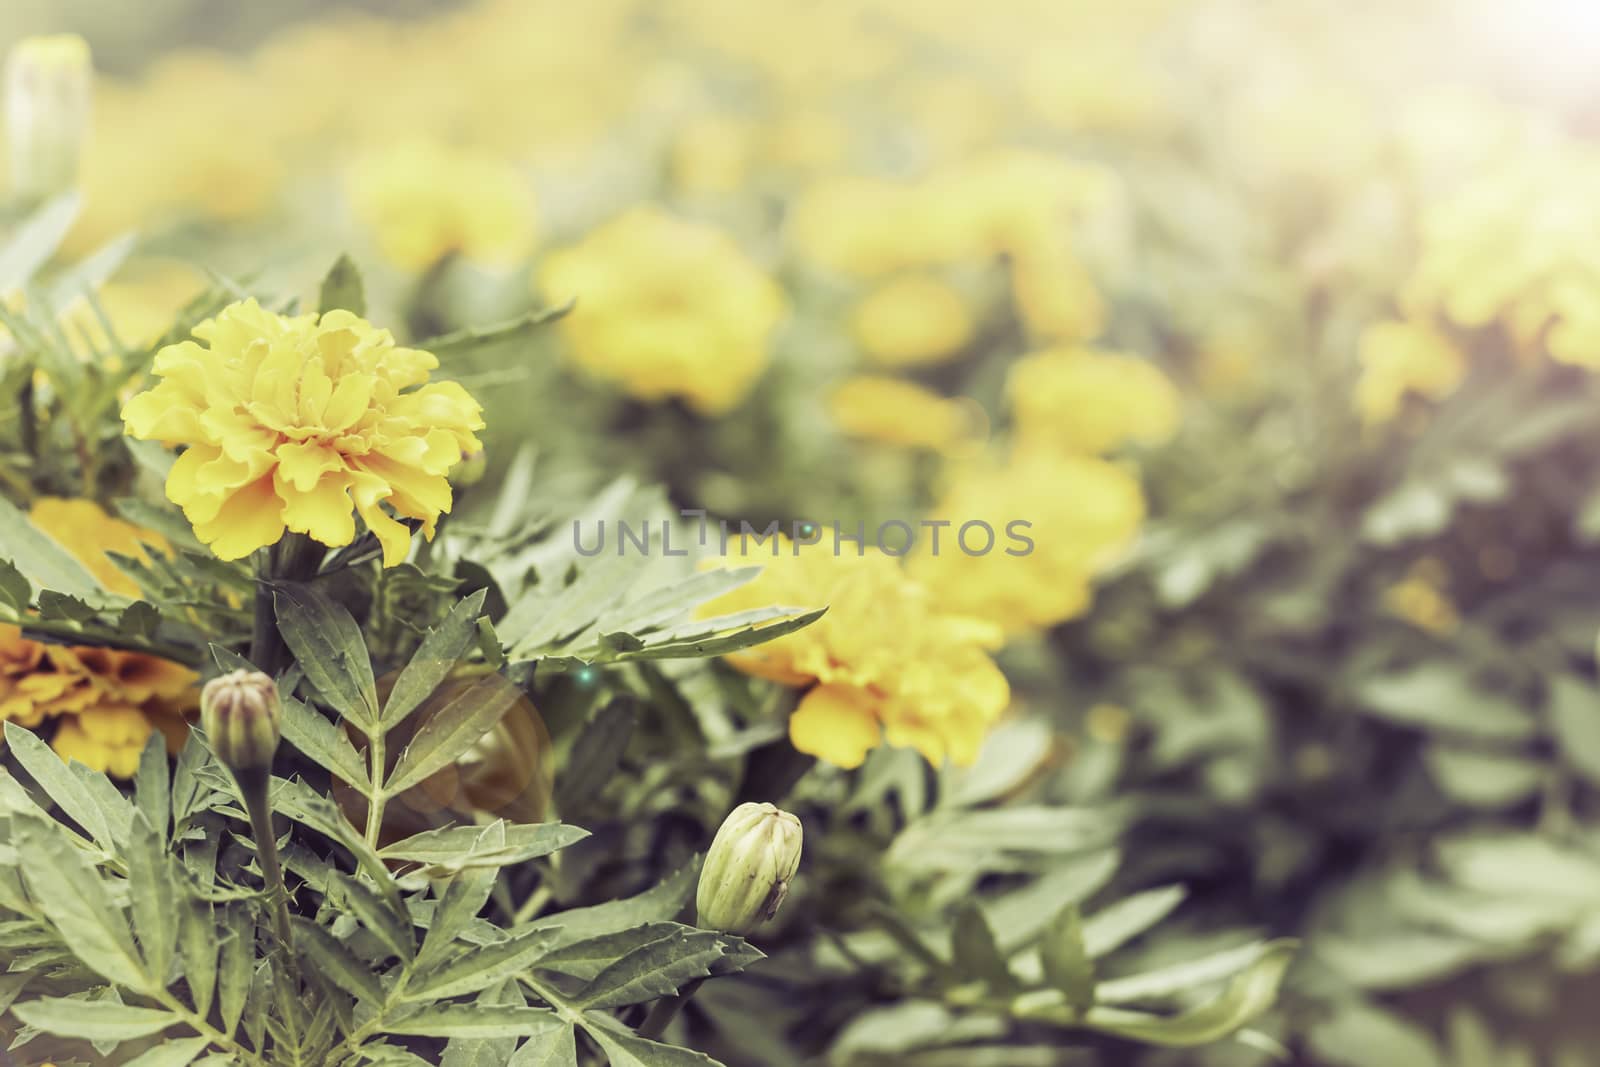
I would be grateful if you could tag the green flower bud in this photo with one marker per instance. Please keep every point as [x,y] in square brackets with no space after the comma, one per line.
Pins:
[239,712]
[748,868]
[47,93]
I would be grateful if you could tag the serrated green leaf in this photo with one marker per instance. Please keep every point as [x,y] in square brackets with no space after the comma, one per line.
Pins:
[554,1047]
[658,903]
[473,340]
[93,1020]
[395,931]
[483,966]
[197,945]
[439,654]
[236,966]
[75,899]
[323,741]
[478,1020]
[15,590]
[342,288]
[664,965]
[1066,959]
[150,884]
[463,897]
[454,848]
[453,730]
[333,960]
[175,1053]
[717,642]
[625,1049]
[64,788]
[31,244]
[328,646]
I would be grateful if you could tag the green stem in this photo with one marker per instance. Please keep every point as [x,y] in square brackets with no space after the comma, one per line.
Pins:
[378,798]
[253,787]
[667,1009]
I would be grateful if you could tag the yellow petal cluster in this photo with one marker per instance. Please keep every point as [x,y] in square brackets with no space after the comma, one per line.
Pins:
[86,531]
[912,320]
[1519,244]
[103,703]
[288,419]
[424,201]
[1083,400]
[1403,358]
[883,665]
[666,308]
[1082,513]
[893,411]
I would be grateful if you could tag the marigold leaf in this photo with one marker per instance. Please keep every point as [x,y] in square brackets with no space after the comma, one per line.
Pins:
[478,1020]
[93,1020]
[328,646]
[439,654]
[453,730]
[342,288]
[332,959]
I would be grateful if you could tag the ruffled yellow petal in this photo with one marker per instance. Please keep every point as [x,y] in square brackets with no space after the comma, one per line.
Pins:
[835,724]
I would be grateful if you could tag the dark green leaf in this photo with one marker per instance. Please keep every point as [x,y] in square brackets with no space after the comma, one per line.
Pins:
[439,654]
[328,646]
[342,288]
[1066,960]
[453,730]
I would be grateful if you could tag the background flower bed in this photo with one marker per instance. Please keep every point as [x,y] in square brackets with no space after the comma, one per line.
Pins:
[1276,325]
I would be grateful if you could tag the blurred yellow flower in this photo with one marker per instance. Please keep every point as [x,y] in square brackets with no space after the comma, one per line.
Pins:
[852,225]
[666,308]
[713,154]
[285,418]
[882,664]
[897,412]
[1400,358]
[105,703]
[1516,245]
[1420,599]
[1058,521]
[1083,400]
[424,201]
[911,320]
[83,529]
[1056,296]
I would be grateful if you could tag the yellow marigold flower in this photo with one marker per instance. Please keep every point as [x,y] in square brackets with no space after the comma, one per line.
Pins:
[911,321]
[1515,245]
[897,412]
[286,419]
[83,529]
[882,665]
[1056,296]
[1082,400]
[425,201]
[105,703]
[1058,521]
[852,225]
[1398,358]
[666,308]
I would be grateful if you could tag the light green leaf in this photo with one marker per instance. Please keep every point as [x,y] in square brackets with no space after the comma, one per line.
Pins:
[315,736]
[66,789]
[197,945]
[1181,977]
[332,959]
[1248,996]
[1117,924]
[1066,959]
[1574,709]
[52,567]
[483,966]
[15,590]
[662,966]
[659,903]
[152,789]
[176,1053]
[150,882]
[454,848]
[93,1020]
[328,646]
[554,1047]
[1440,696]
[625,1049]
[453,730]
[78,904]
[235,972]
[394,930]
[439,654]
[959,840]
[475,340]
[463,897]
[31,244]
[478,1020]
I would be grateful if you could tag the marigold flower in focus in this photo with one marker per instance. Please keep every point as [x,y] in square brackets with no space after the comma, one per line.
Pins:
[666,308]
[286,419]
[897,412]
[911,321]
[1401,358]
[1081,515]
[884,664]
[88,533]
[104,703]
[425,201]
[1081,400]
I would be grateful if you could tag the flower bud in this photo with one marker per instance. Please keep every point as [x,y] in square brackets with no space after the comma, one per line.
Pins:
[47,94]
[239,712]
[748,868]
